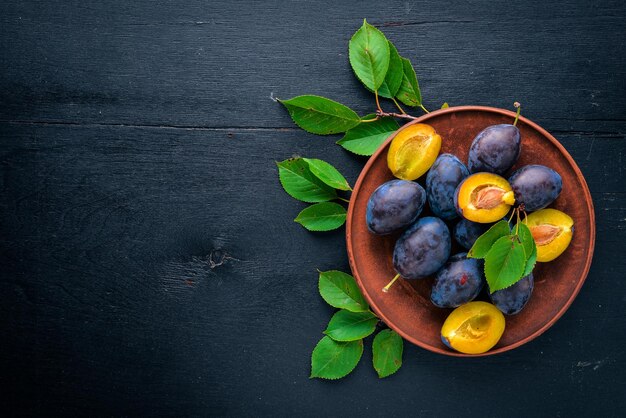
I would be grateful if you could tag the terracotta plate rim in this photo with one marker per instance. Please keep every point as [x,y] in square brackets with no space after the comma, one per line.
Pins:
[591,243]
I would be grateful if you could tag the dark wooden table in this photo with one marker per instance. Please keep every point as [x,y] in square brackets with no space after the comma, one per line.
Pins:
[149,264]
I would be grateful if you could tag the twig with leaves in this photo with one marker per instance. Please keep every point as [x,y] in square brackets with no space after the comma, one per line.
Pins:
[338,353]
[376,62]
[510,253]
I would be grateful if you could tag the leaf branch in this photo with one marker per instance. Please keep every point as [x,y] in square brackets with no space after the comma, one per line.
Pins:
[398,105]
[379,109]
[381,113]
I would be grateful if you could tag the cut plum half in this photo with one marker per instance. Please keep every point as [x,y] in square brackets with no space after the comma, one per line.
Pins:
[413,150]
[552,231]
[473,328]
[484,198]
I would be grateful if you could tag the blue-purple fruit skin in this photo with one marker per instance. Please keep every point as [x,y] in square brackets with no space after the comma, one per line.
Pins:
[512,300]
[459,281]
[394,205]
[467,232]
[422,249]
[455,200]
[495,149]
[536,186]
[441,182]
[445,341]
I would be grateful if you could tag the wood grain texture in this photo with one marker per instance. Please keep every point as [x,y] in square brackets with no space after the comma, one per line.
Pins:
[149,264]
[160,63]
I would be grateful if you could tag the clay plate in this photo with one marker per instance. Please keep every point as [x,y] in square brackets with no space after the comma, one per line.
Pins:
[407,308]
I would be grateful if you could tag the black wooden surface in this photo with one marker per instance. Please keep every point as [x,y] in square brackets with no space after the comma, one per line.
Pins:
[149,264]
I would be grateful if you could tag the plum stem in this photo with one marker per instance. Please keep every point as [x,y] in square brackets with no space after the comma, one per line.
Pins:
[519,110]
[511,217]
[386,288]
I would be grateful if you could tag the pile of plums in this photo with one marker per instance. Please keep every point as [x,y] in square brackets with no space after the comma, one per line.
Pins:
[479,195]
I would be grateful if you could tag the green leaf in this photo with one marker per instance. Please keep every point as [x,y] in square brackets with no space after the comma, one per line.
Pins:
[393,78]
[483,244]
[297,180]
[340,290]
[334,360]
[327,173]
[351,326]
[320,115]
[387,352]
[504,263]
[530,263]
[526,238]
[366,138]
[409,91]
[369,55]
[445,105]
[324,216]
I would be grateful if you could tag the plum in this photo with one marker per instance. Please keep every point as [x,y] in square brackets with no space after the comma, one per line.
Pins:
[483,198]
[394,205]
[422,249]
[459,281]
[413,150]
[473,328]
[467,232]
[535,186]
[552,231]
[441,182]
[495,149]
[513,299]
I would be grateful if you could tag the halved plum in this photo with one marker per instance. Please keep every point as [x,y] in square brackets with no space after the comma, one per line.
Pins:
[473,328]
[483,198]
[552,231]
[413,151]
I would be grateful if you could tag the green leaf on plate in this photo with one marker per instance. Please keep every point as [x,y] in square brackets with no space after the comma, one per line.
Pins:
[530,263]
[387,352]
[320,115]
[526,238]
[409,91]
[366,138]
[297,180]
[393,78]
[504,263]
[334,360]
[483,244]
[369,55]
[351,326]
[324,216]
[340,290]
[327,173]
